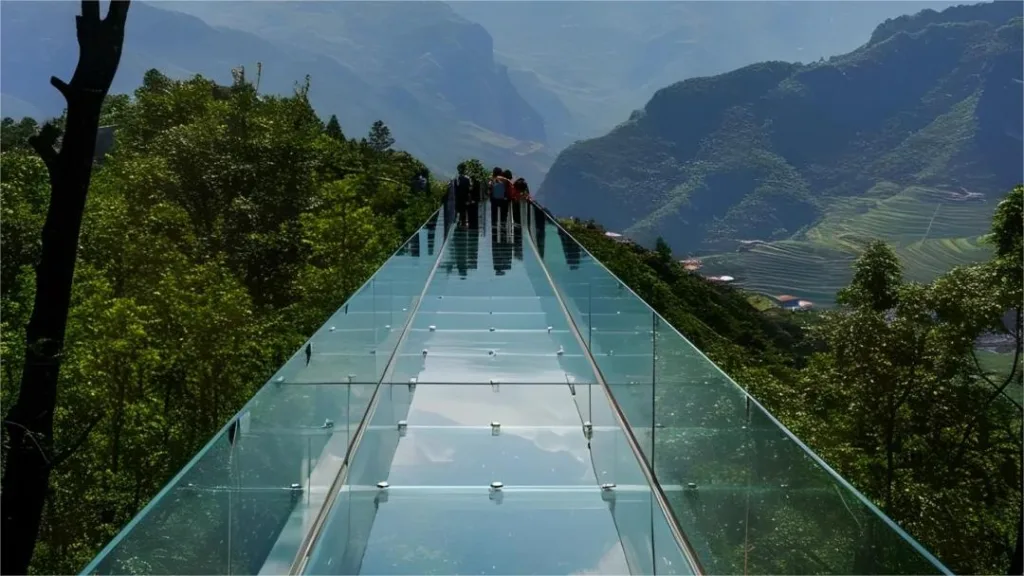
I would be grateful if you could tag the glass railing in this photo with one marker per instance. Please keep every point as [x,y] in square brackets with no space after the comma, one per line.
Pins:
[748,496]
[490,448]
[246,501]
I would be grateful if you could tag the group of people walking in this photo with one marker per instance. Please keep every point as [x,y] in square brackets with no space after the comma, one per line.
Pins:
[502,193]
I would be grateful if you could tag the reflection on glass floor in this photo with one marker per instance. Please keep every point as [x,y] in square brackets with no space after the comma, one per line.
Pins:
[476,459]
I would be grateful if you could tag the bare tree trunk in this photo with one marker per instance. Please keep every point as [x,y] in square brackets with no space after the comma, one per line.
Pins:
[29,424]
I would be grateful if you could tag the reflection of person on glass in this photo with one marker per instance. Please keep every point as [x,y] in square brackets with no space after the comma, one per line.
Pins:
[414,245]
[539,228]
[501,252]
[473,248]
[431,231]
[517,242]
[572,250]
[461,240]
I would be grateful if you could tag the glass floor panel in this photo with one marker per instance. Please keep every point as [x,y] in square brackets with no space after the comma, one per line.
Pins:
[489,384]
[483,368]
[476,456]
[451,530]
[510,405]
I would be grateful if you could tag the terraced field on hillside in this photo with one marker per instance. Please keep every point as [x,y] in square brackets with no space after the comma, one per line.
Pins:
[932,230]
[801,268]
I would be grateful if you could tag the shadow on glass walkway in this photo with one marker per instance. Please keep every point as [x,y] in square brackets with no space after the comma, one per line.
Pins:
[495,401]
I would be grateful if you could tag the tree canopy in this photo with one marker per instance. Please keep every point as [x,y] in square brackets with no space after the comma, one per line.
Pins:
[892,389]
[220,231]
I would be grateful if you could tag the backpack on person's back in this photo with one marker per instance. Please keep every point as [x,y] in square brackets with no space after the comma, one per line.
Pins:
[498,191]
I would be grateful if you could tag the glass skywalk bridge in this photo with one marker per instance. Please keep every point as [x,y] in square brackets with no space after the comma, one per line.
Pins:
[497,402]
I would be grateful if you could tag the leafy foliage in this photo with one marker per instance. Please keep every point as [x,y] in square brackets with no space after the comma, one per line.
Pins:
[888,389]
[223,227]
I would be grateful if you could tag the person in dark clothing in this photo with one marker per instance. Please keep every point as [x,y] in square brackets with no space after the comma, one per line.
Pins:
[419,182]
[501,190]
[463,191]
[309,353]
[473,207]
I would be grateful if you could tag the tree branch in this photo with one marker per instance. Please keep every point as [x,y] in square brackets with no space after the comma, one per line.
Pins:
[117,14]
[43,143]
[82,437]
[91,9]
[61,87]
[999,388]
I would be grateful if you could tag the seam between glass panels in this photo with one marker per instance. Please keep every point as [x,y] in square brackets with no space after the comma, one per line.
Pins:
[674,527]
[312,537]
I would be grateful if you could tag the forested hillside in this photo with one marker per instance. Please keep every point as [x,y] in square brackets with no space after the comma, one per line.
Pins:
[888,389]
[221,230]
[910,138]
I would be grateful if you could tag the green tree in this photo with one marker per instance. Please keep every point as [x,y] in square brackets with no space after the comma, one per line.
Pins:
[334,129]
[16,134]
[900,383]
[662,249]
[876,279]
[380,140]
[223,229]
[29,423]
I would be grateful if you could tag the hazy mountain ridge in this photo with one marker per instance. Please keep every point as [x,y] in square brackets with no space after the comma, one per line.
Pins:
[433,114]
[766,151]
[604,60]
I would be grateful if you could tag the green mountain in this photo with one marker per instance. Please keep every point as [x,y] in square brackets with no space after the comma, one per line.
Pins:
[786,170]
[428,73]
[604,60]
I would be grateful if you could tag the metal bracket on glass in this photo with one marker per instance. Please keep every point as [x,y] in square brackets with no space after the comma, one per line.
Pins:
[495,428]
[494,384]
[403,428]
[412,384]
[608,492]
[382,493]
[588,432]
[496,494]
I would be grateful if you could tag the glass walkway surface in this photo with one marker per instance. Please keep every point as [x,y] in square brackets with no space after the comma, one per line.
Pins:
[495,401]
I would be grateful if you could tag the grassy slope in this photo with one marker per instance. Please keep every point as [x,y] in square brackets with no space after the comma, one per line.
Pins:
[931,233]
